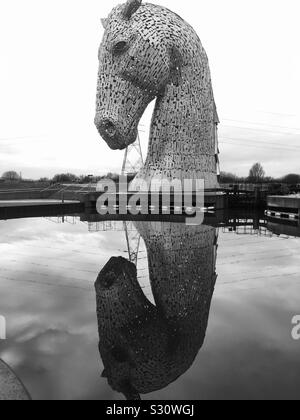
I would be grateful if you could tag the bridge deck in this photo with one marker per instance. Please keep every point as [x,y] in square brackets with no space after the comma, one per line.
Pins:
[26,203]
[18,209]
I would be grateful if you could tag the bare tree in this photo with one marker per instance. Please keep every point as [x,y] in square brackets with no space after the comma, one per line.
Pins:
[257,173]
[11,176]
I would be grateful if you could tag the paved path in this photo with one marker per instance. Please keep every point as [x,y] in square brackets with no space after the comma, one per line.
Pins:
[11,388]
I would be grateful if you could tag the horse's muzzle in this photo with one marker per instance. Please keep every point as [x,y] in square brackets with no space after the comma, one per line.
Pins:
[109,132]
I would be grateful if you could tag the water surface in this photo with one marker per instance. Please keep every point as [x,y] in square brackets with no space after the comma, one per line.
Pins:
[242,346]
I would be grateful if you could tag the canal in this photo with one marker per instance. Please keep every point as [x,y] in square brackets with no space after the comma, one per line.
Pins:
[213,305]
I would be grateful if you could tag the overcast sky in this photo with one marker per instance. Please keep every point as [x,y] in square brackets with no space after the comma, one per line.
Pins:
[48,72]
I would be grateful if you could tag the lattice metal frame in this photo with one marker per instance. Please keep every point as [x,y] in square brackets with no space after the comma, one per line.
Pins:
[133,158]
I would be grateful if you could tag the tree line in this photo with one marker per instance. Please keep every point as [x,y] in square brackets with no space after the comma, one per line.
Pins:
[257,174]
[13,176]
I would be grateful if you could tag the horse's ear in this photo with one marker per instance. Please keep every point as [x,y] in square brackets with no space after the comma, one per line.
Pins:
[176,62]
[104,23]
[131,7]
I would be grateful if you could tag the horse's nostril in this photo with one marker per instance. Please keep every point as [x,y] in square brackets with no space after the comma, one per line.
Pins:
[109,128]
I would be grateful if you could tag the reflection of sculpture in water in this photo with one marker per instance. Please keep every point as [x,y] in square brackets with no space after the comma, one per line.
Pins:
[144,347]
[149,52]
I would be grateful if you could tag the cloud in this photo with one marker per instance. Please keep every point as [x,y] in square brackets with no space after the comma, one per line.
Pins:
[48,82]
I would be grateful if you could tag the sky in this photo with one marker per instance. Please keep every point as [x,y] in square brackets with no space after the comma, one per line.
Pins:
[48,74]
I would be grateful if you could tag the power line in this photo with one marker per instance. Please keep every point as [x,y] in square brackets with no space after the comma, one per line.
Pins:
[259,129]
[259,142]
[262,124]
[256,259]
[285,275]
[252,145]
[242,142]
[277,113]
[260,252]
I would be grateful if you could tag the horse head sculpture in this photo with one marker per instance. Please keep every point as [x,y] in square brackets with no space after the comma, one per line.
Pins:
[145,347]
[149,52]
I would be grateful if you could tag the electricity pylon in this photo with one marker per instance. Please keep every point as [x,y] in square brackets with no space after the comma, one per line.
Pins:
[133,239]
[133,158]
[132,163]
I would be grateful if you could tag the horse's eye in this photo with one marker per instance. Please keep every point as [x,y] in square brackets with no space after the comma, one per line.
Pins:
[120,47]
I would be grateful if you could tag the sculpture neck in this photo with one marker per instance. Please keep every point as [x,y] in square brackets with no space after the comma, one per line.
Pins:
[182,141]
[182,276]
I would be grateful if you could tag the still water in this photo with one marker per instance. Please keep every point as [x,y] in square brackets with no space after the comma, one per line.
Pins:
[207,315]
